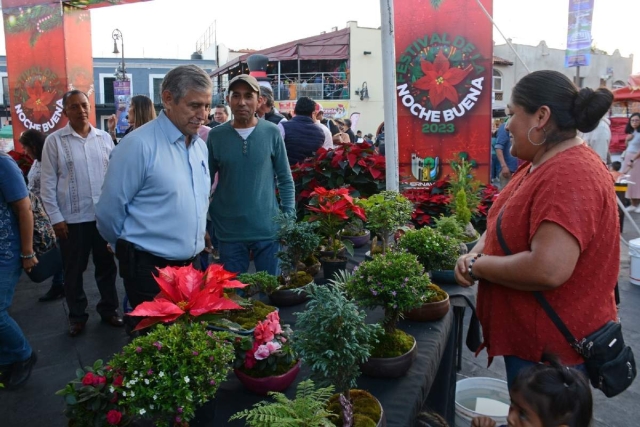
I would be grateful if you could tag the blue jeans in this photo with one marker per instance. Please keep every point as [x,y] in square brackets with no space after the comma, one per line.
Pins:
[235,256]
[14,347]
[515,364]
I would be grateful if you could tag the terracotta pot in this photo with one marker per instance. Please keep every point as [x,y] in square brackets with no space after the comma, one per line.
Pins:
[382,422]
[429,311]
[288,297]
[264,385]
[390,367]
[443,277]
[359,241]
[331,267]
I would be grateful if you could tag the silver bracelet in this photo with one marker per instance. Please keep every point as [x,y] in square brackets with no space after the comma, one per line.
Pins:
[33,255]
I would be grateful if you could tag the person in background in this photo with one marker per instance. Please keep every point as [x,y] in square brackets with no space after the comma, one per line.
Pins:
[220,115]
[495,163]
[155,196]
[267,110]
[508,163]
[342,136]
[328,139]
[359,137]
[74,163]
[559,223]
[368,138]
[251,159]
[33,141]
[141,111]
[629,167]
[347,129]
[599,139]
[302,137]
[16,253]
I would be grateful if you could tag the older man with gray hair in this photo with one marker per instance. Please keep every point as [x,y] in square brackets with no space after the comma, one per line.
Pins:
[155,197]
[267,109]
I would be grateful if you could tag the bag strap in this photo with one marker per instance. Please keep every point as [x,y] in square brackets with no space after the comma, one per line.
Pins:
[573,342]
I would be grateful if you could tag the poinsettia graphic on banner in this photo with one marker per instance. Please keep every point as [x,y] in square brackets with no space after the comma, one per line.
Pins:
[440,79]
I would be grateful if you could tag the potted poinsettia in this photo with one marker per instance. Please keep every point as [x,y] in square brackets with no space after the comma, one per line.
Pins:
[332,209]
[265,360]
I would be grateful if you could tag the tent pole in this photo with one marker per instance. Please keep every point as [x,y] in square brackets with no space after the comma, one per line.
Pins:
[389,93]
[279,90]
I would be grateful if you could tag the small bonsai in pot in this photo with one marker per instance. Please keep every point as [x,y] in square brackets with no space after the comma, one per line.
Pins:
[434,250]
[356,232]
[464,190]
[333,339]
[386,212]
[394,281]
[435,305]
[298,240]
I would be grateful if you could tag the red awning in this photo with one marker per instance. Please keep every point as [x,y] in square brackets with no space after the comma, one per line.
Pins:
[627,93]
[334,45]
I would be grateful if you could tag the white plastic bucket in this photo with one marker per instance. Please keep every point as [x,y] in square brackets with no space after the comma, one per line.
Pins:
[481,396]
[634,254]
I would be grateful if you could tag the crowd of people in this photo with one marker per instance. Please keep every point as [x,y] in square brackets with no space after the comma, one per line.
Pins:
[148,203]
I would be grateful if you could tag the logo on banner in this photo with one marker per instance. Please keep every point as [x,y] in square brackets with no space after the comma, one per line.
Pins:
[439,80]
[38,99]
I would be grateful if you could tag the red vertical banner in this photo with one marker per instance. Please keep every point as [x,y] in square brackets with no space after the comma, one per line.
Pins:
[444,59]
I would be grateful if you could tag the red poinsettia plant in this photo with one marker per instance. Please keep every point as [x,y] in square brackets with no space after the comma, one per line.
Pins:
[333,209]
[268,351]
[188,293]
[23,160]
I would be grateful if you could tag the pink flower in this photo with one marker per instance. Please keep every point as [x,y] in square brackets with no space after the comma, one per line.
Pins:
[97,380]
[117,381]
[88,379]
[114,417]
[138,349]
[262,352]
[273,346]
[263,332]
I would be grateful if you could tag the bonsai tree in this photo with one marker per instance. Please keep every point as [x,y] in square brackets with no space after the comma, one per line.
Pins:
[260,281]
[449,226]
[386,211]
[464,190]
[299,240]
[354,228]
[434,250]
[394,281]
[307,409]
[332,336]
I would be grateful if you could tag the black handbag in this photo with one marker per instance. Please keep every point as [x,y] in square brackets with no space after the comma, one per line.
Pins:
[610,363]
[49,263]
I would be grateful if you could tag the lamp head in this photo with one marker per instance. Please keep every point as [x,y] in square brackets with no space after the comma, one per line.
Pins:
[115,48]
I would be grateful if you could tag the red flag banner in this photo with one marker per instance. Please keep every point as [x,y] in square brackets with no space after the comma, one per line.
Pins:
[444,58]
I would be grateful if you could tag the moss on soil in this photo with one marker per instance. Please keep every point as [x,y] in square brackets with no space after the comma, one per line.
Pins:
[250,316]
[440,294]
[280,369]
[366,411]
[392,344]
[300,279]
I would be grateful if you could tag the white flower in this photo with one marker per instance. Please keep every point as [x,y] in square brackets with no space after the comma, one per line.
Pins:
[135,372]
[146,381]
[124,393]
[151,407]
[161,374]
[111,389]
[155,397]
[132,394]
[186,380]
[142,411]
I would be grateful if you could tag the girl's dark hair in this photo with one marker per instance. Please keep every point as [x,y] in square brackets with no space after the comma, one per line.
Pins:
[571,108]
[33,139]
[628,128]
[143,110]
[558,394]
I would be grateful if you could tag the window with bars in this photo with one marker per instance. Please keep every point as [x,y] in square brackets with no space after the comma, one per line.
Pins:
[497,82]
[109,97]
[157,90]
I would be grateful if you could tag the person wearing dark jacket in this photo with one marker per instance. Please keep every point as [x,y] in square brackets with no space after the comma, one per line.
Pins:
[266,110]
[348,131]
[302,137]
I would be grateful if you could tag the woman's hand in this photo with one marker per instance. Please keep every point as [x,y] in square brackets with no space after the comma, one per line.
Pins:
[111,123]
[29,263]
[482,422]
[461,270]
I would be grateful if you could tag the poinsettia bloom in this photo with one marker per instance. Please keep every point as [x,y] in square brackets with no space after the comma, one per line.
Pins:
[262,352]
[440,80]
[88,379]
[39,100]
[263,333]
[273,346]
[114,417]
[185,290]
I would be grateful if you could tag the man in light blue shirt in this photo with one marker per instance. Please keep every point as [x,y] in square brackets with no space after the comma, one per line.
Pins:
[155,197]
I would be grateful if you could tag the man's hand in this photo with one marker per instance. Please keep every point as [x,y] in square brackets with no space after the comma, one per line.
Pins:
[505,172]
[482,422]
[208,247]
[61,230]
[111,123]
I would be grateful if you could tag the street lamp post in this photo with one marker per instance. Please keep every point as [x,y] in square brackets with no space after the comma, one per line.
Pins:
[117,35]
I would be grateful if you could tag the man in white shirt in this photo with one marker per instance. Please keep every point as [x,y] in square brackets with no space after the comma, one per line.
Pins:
[599,139]
[74,162]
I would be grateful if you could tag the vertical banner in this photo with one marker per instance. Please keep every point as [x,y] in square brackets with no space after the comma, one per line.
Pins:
[444,59]
[122,97]
[579,33]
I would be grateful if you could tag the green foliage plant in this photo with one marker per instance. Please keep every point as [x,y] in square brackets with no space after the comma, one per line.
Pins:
[298,240]
[260,281]
[386,211]
[434,250]
[449,226]
[394,281]
[308,409]
[463,180]
[332,336]
[173,370]
[354,228]
[461,209]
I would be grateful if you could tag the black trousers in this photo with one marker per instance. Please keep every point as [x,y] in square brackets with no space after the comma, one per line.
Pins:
[82,240]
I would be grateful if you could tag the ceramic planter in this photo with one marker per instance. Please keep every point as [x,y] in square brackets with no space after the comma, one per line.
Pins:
[331,267]
[443,277]
[382,422]
[326,254]
[429,311]
[390,367]
[264,385]
[359,241]
[288,297]
[313,270]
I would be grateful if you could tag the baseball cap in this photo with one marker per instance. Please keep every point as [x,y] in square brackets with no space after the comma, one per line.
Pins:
[250,80]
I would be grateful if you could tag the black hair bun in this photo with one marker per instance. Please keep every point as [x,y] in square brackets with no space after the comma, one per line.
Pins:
[590,106]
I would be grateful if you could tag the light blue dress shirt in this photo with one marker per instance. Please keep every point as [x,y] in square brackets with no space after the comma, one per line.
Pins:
[156,192]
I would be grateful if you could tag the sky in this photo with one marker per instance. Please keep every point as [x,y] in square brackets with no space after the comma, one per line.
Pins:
[171,28]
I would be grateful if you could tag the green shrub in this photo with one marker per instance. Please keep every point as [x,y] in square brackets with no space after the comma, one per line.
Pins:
[386,211]
[434,250]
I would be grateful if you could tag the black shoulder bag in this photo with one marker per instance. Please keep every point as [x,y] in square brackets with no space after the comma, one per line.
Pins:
[609,362]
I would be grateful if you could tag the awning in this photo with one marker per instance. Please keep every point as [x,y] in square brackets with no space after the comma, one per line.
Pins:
[334,45]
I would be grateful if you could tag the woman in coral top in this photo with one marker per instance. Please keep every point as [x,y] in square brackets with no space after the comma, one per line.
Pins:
[559,221]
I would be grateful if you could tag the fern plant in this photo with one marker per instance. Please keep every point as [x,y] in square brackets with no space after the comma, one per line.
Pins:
[306,410]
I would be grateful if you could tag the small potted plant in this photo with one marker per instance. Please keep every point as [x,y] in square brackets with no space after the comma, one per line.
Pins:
[307,409]
[394,281]
[266,361]
[464,192]
[332,209]
[334,339]
[386,212]
[435,305]
[355,232]
[437,253]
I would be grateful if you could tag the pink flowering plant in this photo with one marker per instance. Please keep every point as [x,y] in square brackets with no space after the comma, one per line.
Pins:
[170,372]
[92,399]
[268,351]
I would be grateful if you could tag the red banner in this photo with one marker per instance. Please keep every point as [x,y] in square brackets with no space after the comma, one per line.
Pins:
[444,59]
